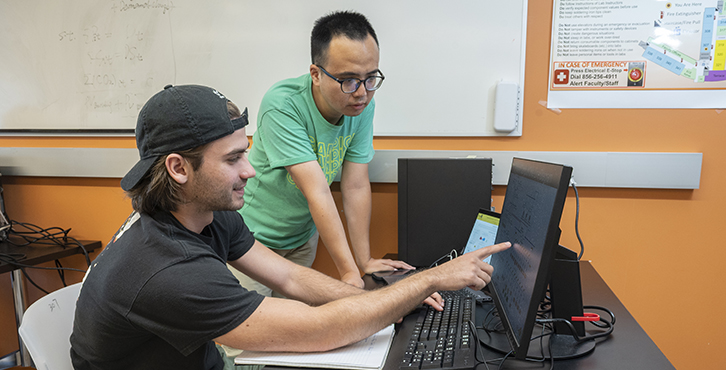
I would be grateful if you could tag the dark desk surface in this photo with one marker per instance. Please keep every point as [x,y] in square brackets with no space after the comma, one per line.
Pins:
[629,347]
[36,254]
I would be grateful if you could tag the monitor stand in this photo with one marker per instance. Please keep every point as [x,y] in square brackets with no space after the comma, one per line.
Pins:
[566,299]
[559,346]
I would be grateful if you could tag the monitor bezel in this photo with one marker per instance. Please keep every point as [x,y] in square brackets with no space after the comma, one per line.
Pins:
[556,176]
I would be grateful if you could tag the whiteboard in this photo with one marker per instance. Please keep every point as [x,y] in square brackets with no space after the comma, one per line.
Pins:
[89,65]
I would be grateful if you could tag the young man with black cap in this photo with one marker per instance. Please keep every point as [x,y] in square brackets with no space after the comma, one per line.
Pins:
[160,294]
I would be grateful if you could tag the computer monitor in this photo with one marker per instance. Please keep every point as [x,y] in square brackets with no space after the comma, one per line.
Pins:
[530,220]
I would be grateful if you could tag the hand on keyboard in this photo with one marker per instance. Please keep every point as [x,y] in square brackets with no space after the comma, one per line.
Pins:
[442,340]
[435,301]
[384,264]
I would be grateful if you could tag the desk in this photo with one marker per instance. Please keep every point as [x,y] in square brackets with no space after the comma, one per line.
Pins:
[629,347]
[35,254]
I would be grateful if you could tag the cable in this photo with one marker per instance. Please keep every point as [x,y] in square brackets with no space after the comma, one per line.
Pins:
[451,255]
[475,333]
[13,258]
[504,359]
[35,233]
[541,347]
[604,309]
[9,258]
[27,277]
[546,323]
[577,218]
[61,272]
[31,234]
[609,325]
[491,315]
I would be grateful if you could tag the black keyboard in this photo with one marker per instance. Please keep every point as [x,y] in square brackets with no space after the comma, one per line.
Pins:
[443,339]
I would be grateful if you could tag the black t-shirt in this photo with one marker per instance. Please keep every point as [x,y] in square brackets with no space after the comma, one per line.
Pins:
[159,294]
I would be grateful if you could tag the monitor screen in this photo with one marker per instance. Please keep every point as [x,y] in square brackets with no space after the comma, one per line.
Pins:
[530,220]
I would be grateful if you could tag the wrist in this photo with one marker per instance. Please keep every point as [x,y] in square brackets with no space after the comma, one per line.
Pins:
[430,280]
[353,279]
[349,272]
[363,262]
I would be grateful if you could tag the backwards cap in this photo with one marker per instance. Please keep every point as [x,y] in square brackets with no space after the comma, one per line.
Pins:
[179,118]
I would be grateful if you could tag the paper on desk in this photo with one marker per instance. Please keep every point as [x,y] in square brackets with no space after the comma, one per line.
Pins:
[370,353]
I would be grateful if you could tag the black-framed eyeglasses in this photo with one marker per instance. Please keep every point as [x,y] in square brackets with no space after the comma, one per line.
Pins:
[351,85]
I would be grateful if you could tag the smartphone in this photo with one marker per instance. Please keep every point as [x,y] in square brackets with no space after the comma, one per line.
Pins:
[484,232]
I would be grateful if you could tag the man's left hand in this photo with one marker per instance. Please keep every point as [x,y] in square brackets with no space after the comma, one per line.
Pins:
[384,264]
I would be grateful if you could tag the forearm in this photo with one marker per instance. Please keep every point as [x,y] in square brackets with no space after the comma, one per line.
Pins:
[357,208]
[285,325]
[315,288]
[356,191]
[326,218]
[290,279]
[376,309]
[363,315]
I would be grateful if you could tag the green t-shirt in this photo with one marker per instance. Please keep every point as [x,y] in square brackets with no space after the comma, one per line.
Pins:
[291,130]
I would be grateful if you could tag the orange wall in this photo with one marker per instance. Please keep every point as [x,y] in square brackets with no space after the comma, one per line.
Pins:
[659,250]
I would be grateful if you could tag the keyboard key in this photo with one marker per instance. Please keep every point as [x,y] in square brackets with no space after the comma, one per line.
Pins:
[442,340]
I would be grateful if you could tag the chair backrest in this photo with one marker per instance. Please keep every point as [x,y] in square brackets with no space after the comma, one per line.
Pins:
[46,328]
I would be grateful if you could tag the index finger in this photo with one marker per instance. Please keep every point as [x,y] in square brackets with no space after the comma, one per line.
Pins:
[488,251]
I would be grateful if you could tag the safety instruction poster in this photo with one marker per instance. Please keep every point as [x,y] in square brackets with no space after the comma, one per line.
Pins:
[638,54]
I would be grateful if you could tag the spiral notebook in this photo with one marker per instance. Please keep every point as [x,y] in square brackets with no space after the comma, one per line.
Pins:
[369,353]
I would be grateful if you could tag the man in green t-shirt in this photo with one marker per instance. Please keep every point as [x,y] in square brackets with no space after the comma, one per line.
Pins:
[309,129]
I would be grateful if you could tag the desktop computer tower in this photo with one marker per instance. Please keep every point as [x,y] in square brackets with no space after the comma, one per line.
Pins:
[438,201]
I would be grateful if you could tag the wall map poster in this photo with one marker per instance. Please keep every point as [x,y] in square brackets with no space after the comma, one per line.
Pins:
[638,54]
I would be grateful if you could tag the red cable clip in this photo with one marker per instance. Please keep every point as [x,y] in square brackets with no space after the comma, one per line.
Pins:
[587,316]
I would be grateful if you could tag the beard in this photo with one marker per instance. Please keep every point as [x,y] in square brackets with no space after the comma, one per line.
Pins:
[211,195]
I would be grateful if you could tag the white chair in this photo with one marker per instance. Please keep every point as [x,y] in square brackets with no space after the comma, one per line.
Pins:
[46,328]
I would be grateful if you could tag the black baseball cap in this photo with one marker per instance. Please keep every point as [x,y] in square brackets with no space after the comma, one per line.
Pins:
[176,119]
